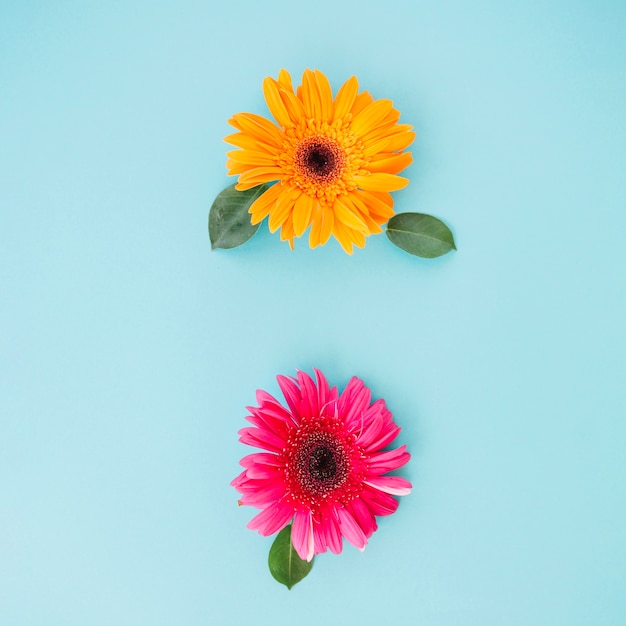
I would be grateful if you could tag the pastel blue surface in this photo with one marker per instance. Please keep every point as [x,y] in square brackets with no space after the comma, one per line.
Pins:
[129,349]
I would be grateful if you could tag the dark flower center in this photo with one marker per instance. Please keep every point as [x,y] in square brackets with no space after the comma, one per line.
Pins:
[320,159]
[321,463]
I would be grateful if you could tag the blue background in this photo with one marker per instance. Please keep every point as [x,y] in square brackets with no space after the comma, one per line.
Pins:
[129,349]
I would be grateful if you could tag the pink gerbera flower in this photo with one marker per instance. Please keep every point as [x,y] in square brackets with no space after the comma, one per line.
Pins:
[325,468]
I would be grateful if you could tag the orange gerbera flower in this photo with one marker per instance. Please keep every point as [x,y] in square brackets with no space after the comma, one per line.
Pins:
[335,161]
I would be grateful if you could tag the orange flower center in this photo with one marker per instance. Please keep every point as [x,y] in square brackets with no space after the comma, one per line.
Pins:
[321,159]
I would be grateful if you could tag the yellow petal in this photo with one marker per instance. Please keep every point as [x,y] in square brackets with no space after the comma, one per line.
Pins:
[376,206]
[348,237]
[381,182]
[400,141]
[392,117]
[258,127]
[234,168]
[385,130]
[370,116]
[316,227]
[342,236]
[251,157]
[372,221]
[248,143]
[326,227]
[383,196]
[373,225]
[302,209]
[284,80]
[293,105]
[260,174]
[275,103]
[358,203]
[345,98]
[283,209]
[361,101]
[344,213]
[358,239]
[262,206]
[286,232]
[325,95]
[246,186]
[310,97]
[381,145]
[392,164]
[256,180]
[368,214]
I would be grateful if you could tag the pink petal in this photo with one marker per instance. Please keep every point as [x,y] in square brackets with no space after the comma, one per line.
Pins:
[383,462]
[236,482]
[265,472]
[380,429]
[363,516]
[350,528]
[353,401]
[263,419]
[291,392]
[260,493]
[385,438]
[319,538]
[308,404]
[272,519]
[372,424]
[261,438]
[324,395]
[394,485]
[262,397]
[277,411]
[328,529]
[333,536]
[378,502]
[260,458]
[302,536]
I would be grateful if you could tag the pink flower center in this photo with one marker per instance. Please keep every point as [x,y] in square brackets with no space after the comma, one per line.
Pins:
[323,463]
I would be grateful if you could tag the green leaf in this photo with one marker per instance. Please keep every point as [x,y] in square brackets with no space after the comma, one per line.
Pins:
[284,563]
[421,235]
[229,220]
